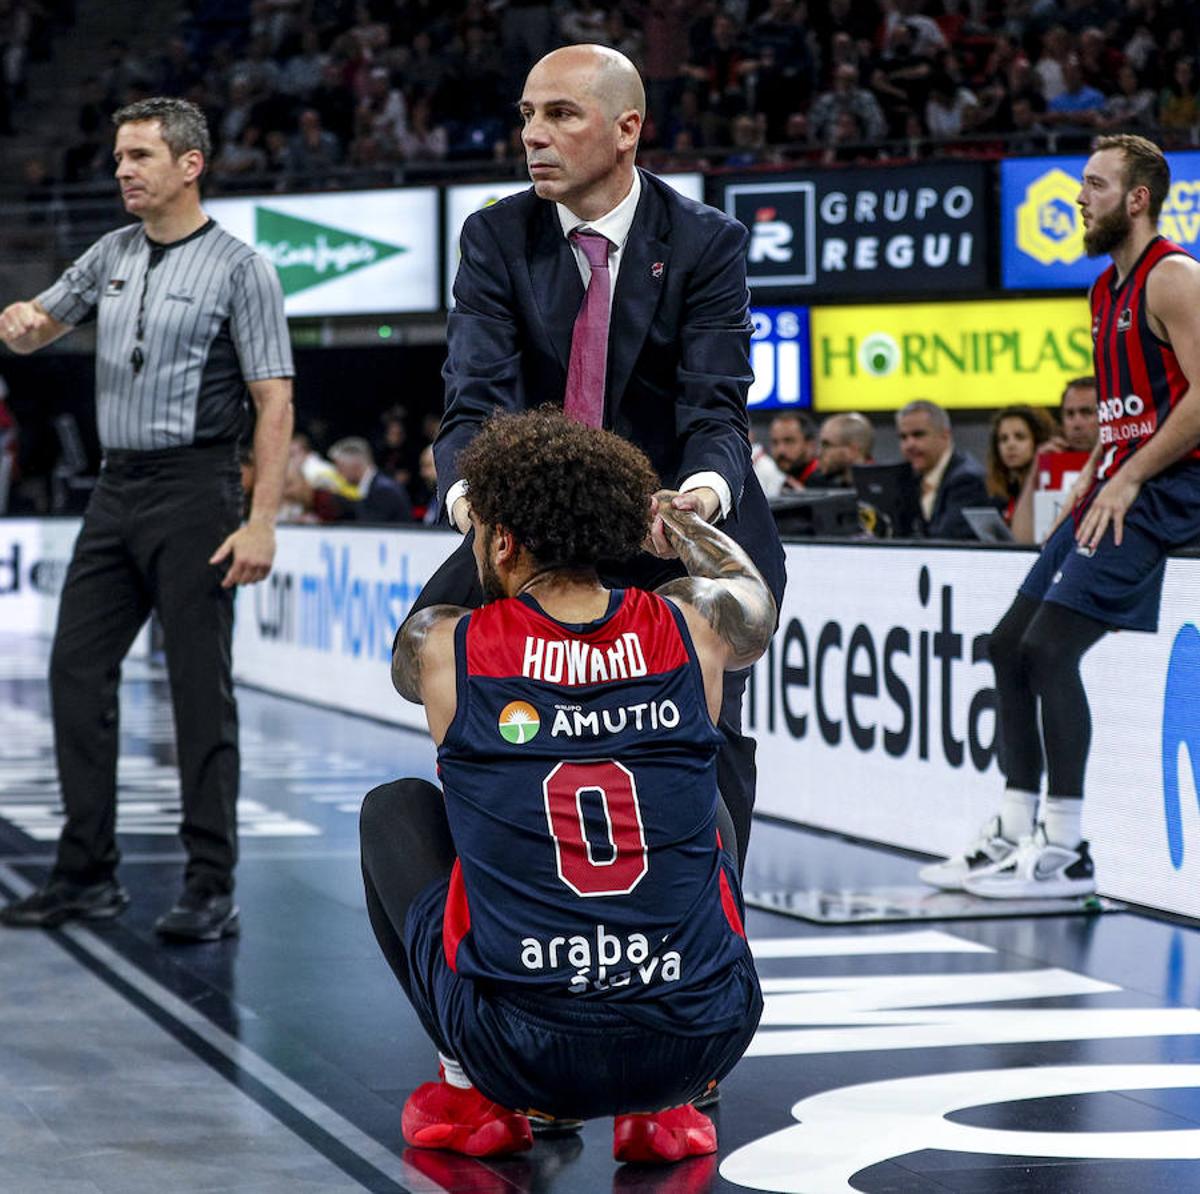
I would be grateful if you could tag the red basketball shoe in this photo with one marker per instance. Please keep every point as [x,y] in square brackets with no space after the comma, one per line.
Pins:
[665,1136]
[438,1115]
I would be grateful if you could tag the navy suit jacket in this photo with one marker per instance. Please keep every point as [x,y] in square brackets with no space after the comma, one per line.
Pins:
[384,501]
[678,351]
[962,485]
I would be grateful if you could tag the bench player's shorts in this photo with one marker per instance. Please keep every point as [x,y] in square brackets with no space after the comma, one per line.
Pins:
[560,1057]
[1122,586]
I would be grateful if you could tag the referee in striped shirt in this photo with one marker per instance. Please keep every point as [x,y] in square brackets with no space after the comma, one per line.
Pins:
[188,319]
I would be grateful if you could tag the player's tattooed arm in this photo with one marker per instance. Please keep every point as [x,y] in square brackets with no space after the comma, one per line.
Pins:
[411,653]
[722,585]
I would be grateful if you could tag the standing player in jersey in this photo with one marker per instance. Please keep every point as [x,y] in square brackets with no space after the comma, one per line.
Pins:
[567,920]
[1102,568]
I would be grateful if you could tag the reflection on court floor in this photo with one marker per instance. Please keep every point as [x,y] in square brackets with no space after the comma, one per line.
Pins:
[1053,1054]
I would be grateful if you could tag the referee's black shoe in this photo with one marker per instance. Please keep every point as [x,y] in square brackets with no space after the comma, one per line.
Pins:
[61,900]
[199,914]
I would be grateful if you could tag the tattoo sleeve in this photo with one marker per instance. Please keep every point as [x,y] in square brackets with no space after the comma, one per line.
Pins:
[410,645]
[722,584]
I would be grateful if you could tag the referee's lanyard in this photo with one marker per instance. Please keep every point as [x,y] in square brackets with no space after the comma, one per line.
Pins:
[137,358]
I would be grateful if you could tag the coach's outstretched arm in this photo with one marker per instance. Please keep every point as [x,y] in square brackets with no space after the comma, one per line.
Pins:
[722,585]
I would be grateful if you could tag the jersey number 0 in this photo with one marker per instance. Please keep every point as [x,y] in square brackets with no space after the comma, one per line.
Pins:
[563,790]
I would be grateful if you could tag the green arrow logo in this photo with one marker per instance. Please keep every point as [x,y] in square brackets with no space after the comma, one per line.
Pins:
[306,254]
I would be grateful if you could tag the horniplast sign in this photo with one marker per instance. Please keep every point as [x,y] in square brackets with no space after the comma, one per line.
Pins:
[969,355]
[865,232]
[350,253]
[1041,240]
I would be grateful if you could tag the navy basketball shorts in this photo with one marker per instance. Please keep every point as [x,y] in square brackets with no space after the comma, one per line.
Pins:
[1122,586]
[568,1059]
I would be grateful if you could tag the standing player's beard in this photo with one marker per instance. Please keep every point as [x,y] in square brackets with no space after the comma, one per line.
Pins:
[1107,232]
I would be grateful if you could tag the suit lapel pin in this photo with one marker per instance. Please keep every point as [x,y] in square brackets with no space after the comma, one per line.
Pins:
[656,270]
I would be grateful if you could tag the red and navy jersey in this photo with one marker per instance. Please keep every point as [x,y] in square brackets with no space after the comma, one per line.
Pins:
[580,781]
[1138,378]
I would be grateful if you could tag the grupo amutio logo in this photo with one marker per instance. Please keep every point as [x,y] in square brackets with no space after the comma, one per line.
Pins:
[1048,225]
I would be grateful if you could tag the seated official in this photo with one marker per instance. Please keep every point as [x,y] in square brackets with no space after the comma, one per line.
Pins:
[1079,416]
[845,440]
[382,500]
[947,480]
[566,915]
[793,440]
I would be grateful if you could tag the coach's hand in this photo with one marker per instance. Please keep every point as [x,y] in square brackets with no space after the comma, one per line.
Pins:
[1109,506]
[252,548]
[704,501]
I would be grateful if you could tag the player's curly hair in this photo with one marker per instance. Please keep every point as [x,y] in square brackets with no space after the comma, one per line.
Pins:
[571,495]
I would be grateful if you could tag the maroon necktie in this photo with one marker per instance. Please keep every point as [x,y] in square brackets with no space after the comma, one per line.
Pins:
[584,400]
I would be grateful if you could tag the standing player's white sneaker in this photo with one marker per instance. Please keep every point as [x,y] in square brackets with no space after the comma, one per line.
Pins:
[982,857]
[1038,869]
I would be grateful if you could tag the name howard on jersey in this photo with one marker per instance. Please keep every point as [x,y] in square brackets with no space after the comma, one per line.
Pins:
[594,961]
[573,662]
[570,721]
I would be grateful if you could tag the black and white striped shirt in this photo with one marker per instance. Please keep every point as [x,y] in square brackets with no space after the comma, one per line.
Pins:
[210,311]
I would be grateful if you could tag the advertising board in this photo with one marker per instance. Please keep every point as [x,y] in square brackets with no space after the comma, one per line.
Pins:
[1041,239]
[967,355]
[344,253]
[865,233]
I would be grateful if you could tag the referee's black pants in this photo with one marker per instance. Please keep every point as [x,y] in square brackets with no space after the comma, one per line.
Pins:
[153,521]
[456,582]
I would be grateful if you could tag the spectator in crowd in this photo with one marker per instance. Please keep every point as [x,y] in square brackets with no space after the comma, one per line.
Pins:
[900,79]
[1050,67]
[313,151]
[583,21]
[793,439]
[302,73]
[722,68]
[1078,416]
[382,499]
[1077,103]
[845,440]
[1131,107]
[846,96]
[749,135]
[951,108]
[382,111]
[241,157]
[947,480]
[423,140]
[393,452]
[1026,123]
[1016,434]
[1179,104]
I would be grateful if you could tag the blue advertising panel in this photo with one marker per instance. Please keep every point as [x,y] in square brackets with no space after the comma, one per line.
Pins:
[1041,235]
[781,359]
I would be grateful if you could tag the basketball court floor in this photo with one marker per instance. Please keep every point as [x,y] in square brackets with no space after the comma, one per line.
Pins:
[1052,1054]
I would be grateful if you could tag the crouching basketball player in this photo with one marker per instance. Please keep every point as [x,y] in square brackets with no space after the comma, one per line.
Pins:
[566,919]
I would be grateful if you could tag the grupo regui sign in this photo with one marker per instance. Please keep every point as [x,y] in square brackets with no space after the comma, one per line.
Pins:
[865,232]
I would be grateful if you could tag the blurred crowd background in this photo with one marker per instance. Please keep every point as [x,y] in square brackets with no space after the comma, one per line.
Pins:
[340,94]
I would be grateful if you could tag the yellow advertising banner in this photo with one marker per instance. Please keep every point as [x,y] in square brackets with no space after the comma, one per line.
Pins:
[962,355]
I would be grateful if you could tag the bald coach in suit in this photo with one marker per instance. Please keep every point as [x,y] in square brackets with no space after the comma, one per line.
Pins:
[604,289]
